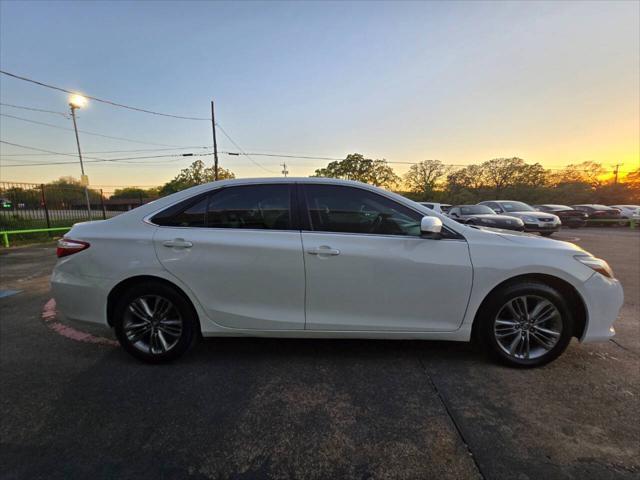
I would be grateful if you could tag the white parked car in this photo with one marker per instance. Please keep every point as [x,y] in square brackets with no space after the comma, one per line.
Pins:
[534,221]
[323,258]
[629,211]
[437,207]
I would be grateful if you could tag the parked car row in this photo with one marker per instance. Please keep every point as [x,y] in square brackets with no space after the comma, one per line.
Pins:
[544,219]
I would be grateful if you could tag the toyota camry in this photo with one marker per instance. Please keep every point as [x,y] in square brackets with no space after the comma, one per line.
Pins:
[324,258]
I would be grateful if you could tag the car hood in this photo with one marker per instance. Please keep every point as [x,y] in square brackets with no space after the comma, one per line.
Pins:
[532,214]
[528,240]
[492,217]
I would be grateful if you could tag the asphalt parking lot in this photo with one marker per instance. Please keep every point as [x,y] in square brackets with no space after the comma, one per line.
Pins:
[265,408]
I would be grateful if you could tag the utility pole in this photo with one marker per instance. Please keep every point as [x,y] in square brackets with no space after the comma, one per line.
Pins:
[76,102]
[615,172]
[215,143]
[285,172]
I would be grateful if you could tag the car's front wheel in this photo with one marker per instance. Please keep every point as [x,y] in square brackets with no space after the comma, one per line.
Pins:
[154,322]
[527,324]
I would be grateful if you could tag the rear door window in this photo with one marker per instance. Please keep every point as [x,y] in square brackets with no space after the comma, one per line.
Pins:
[262,207]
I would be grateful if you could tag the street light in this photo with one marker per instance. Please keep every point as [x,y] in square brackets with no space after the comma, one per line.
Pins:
[78,101]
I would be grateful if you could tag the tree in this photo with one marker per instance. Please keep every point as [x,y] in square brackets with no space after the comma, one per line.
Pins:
[68,191]
[195,174]
[590,173]
[470,178]
[465,185]
[501,173]
[632,182]
[356,167]
[134,192]
[423,177]
[633,179]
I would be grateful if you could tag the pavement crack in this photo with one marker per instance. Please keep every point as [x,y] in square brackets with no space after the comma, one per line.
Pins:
[458,428]
[624,348]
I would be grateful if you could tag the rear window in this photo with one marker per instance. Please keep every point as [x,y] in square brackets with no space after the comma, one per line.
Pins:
[189,213]
[476,210]
[515,207]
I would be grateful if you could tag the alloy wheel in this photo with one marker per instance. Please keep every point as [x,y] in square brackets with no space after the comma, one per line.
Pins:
[527,327]
[153,324]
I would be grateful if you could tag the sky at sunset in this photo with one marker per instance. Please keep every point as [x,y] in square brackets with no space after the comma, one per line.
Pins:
[463,82]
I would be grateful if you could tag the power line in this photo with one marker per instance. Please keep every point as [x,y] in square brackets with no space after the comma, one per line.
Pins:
[93,159]
[101,100]
[85,132]
[33,109]
[105,151]
[178,155]
[243,152]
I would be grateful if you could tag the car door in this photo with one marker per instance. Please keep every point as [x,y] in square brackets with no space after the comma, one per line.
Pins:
[240,252]
[368,269]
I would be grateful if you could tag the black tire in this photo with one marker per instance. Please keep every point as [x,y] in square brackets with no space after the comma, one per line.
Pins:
[181,309]
[546,234]
[493,306]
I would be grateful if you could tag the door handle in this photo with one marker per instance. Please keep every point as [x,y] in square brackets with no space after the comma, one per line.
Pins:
[323,250]
[177,243]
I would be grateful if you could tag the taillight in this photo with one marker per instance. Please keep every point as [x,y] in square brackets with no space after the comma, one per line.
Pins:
[66,246]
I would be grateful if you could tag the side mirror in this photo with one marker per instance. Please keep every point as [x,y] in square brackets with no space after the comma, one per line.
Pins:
[497,210]
[430,227]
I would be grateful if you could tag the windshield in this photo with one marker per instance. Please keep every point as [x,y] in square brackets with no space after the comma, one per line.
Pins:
[516,207]
[476,210]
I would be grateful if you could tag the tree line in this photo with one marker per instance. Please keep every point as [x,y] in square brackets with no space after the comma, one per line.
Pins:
[499,178]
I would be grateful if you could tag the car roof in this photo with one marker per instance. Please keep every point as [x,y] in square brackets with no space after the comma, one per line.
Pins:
[151,208]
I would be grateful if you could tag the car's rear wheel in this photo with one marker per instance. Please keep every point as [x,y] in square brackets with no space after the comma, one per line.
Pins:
[526,324]
[154,322]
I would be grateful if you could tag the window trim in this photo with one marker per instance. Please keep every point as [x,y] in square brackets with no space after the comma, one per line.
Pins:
[300,221]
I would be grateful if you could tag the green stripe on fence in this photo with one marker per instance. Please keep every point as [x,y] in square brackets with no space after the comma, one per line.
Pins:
[5,235]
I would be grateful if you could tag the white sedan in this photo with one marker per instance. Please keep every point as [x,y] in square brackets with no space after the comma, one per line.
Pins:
[323,258]
[629,211]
